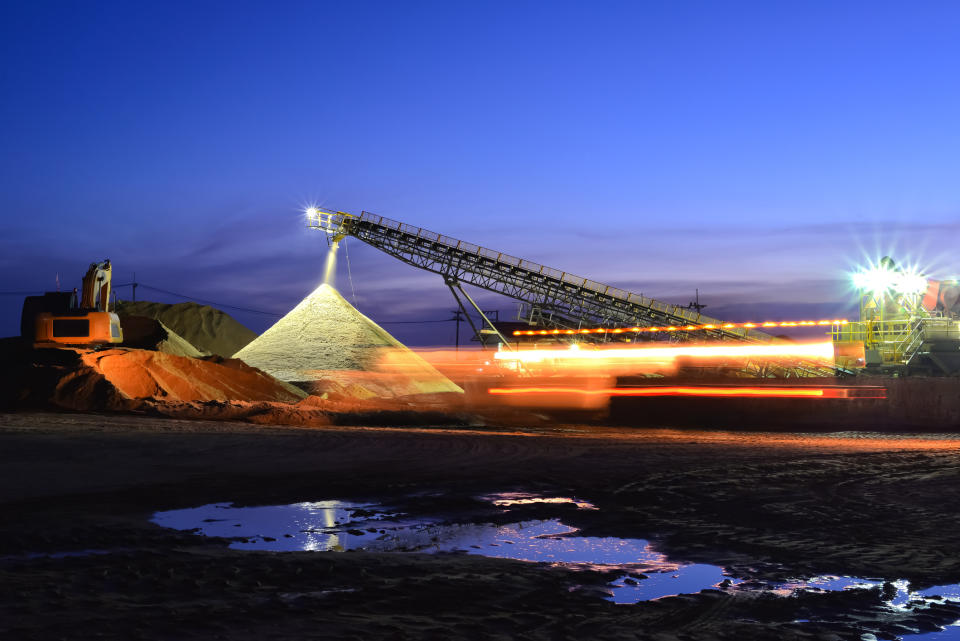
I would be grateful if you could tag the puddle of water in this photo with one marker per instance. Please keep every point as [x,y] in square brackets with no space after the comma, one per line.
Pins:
[316,526]
[949,633]
[507,499]
[685,579]
[903,598]
[342,526]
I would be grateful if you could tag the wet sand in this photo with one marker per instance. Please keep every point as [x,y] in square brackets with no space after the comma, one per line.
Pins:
[768,506]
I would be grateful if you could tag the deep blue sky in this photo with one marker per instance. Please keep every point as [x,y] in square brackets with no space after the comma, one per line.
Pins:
[755,150]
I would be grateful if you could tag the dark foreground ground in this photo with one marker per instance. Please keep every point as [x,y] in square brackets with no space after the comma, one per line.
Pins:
[768,506]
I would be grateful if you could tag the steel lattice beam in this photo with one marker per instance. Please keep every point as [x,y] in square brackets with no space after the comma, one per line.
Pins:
[564,301]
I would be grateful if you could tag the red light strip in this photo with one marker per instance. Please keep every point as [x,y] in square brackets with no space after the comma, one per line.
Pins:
[722,392]
[676,328]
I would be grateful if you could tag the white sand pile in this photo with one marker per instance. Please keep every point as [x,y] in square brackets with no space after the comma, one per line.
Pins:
[326,339]
[207,329]
[174,343]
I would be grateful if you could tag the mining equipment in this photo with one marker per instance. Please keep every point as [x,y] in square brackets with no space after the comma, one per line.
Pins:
[908,324]
[58,319]
[549,298]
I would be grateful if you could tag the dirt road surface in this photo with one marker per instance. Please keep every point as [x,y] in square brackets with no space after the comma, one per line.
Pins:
[767,506]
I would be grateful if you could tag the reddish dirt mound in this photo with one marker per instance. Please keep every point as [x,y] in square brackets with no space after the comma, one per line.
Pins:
[116,379]
[139,373]
[40,378]
[213,388]
[311,412]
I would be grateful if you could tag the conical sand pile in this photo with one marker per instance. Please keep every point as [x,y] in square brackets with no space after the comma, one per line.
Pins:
[325,338]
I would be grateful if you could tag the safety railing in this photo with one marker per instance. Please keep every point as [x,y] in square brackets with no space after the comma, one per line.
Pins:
[895,340]
[578,282]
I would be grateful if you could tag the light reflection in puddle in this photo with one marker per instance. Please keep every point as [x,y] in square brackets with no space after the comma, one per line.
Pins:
[902,594]
[342,526]
[507,499]
[335,525]
[902,598]
[949,633]
[685,580]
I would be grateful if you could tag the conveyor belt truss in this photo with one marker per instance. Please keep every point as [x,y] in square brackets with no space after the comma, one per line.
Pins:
[555,298]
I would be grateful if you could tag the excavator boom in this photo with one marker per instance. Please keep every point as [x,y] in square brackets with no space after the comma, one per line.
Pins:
[96,286]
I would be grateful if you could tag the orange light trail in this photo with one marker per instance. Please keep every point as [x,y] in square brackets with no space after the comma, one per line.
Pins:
[677,328]
[727,392]
[818,351]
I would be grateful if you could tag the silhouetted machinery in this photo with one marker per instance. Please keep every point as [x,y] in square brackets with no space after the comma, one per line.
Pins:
[57,318]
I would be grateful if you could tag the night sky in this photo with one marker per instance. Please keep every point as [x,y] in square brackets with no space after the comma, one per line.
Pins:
[757,151]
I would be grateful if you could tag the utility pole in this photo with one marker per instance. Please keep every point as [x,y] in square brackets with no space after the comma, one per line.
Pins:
[134,286]
[696,304]
[457,316]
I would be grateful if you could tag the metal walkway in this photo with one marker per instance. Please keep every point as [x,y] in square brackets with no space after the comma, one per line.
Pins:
[554,298]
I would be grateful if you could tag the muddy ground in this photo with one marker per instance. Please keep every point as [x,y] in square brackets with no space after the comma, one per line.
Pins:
[766,506]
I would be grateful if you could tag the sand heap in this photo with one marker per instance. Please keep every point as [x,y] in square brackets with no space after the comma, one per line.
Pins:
[325,341]
[208,329]
[114,379]
[142,332]
[146,374]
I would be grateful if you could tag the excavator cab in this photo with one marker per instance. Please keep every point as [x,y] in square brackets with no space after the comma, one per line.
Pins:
[57,318]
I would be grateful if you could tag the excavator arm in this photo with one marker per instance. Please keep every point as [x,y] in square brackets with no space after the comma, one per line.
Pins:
[96,286]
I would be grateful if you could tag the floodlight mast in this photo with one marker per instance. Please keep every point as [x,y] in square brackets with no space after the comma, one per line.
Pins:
[886,281]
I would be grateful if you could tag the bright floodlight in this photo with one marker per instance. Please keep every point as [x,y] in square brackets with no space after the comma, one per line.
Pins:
[879,280]
[312,212]
[911,284]
[875,280]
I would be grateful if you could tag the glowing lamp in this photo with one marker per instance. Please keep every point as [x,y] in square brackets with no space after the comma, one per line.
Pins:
[878,280]
[911,284]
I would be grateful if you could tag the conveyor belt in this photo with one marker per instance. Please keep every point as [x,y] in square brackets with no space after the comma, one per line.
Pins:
[557,298]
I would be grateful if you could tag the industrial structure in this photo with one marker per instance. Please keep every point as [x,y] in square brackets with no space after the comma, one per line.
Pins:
[549,298]
[907,324]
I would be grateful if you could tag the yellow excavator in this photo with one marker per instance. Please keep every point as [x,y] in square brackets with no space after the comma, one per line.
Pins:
[56,318]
